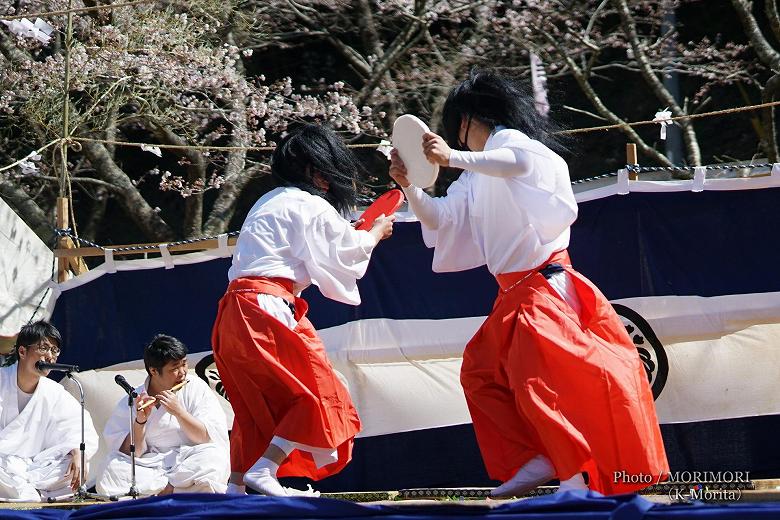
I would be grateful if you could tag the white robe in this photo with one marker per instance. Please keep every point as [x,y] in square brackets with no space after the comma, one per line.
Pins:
[510,209]
[292,234]
[167,455]
[35,444]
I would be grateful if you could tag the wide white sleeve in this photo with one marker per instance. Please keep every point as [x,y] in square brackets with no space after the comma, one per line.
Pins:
[446,227]
[540,178]
[118,427]
[336,255]
[551,210]
[207,410]
[64,430]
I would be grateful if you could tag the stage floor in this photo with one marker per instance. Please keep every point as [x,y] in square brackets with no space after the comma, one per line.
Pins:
[761,502]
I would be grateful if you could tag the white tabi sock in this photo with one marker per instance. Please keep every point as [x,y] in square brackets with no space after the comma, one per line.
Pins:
[576,482]
[235,489]
[283,444]
[309,492]
[287,447]
[262,478]
[533,474]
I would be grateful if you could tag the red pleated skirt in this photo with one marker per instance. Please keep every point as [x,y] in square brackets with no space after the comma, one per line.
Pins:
[539,379]
[279,382]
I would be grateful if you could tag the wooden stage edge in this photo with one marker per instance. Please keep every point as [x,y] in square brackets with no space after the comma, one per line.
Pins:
[762,491]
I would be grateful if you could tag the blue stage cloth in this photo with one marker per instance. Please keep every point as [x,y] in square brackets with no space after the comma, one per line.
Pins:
[562,506]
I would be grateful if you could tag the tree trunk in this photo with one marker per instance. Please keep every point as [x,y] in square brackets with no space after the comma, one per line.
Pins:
[92,226]
[196,173]
[236,180]
[28,210]
[769,141]
[133,204]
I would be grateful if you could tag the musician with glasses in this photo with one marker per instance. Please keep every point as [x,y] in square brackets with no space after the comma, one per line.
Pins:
[40,423]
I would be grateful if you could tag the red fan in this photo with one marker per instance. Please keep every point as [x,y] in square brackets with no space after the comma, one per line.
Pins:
[387,204]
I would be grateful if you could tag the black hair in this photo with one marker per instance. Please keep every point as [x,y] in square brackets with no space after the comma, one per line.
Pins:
[162,350]
[33,333]
[310,149]
[495,100]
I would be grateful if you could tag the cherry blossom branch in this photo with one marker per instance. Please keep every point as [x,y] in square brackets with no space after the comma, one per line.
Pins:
[196,174]
[77,10]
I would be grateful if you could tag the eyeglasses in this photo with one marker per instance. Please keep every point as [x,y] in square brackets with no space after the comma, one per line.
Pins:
[52,349]
[43,349]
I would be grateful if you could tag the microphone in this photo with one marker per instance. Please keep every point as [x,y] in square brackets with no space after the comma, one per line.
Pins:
[40,365]
[121,381]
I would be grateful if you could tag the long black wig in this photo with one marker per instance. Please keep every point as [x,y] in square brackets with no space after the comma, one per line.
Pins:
[310,149]
[495,100]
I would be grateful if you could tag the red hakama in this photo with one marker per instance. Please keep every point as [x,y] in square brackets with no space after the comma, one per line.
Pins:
[279,382]
[541,380]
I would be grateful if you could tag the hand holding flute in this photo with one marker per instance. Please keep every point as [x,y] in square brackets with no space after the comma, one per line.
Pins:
[166,397]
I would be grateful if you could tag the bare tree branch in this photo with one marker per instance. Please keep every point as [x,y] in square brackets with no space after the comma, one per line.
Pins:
[373,44]
[85,180]
[352,56]
[599,105]
[585,112]
[656,85]
[365,21]
[410,34]
[281,39]
[766,53]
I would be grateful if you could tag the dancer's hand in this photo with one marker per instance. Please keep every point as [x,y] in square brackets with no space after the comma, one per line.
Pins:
[383,227]
[74,470]
[398,169]
[436,149]
[356,224]
[171,403]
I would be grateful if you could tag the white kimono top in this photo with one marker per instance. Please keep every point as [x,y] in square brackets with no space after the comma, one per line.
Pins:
[292,234]
[163,433]
[49,427]
[510,209]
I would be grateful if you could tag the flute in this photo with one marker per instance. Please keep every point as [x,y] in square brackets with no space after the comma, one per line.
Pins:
[173,389]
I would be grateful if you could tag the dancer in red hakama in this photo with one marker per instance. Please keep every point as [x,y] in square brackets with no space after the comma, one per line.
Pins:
[293,416]
[553,382]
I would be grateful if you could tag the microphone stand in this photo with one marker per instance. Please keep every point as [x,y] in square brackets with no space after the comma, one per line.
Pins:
[133,492]
[82,493]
